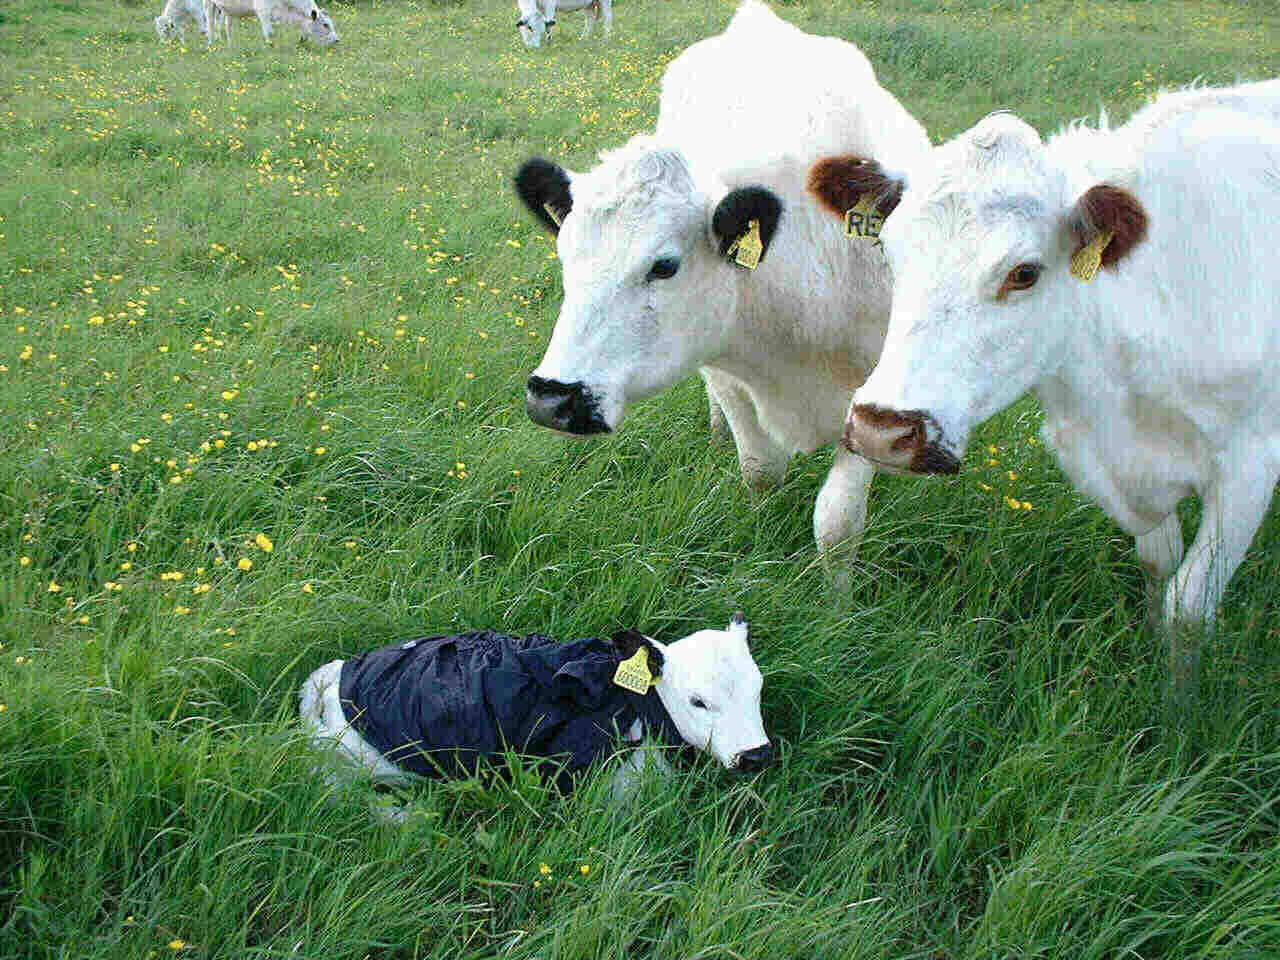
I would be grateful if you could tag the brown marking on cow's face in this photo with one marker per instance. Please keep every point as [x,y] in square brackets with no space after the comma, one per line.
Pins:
[898,439]
[1104,208]
[837,183]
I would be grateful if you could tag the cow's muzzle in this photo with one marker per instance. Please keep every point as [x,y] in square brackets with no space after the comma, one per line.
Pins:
[567,407]
[755,759]
[908,440]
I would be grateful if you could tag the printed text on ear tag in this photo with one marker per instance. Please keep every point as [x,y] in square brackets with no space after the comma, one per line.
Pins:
[1086,261]
[748,248]
[864,219]
[633,673]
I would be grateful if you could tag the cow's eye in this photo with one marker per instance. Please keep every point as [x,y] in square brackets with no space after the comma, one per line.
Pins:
[664,268]
[697,703]
[1021,277]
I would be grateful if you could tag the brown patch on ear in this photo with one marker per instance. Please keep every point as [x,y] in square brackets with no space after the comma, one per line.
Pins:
[1104,208]
[838,182]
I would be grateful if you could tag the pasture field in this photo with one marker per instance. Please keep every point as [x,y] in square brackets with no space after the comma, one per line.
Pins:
[265,319]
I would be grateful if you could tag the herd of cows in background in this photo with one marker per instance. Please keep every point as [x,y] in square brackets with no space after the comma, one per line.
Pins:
[834,278]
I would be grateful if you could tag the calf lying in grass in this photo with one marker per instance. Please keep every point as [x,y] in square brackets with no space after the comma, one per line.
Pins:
[441,706]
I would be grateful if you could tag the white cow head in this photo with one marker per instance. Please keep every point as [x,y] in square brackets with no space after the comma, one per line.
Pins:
[649,294]
[710,686]
[319,28]
[533,24]
[985,306]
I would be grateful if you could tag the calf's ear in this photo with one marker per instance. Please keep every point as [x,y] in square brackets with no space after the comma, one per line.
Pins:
[627,642]
[734,214]
[1104,210]
[838,183]
[544,188]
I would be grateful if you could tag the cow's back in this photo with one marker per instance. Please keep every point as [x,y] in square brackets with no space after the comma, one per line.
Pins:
[764,89]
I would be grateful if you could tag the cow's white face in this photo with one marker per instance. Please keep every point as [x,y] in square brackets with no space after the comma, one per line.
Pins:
[532,23]
[984,305]
[649,296]
[320,28]
[710,686]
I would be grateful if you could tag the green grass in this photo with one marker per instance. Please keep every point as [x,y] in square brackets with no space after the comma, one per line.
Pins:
[976,755]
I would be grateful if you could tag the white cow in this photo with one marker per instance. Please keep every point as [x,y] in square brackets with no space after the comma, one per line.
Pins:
[537,17]
[312,21]
[176,14]
[653,294]
[1157,377]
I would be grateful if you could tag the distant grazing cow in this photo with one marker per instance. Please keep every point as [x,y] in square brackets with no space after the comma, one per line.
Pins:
[537,17]
[176,14]
[440,706]
[652,242]
[311,20]
[1157,377]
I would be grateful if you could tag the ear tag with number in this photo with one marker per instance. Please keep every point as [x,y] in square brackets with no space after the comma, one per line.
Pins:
[748,248]
[553,213]
[1086,261]
[633,673]
[864,219]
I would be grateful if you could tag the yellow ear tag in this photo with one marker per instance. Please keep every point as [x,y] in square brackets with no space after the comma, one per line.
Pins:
[1086,261]
[748,248]
[633,673]
[553,214]
[864,219]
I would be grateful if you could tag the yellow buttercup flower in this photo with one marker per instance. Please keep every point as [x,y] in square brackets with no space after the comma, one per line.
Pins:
[264,542]
[245,563]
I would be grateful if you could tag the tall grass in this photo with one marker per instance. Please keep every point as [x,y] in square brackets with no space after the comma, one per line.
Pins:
[297,282]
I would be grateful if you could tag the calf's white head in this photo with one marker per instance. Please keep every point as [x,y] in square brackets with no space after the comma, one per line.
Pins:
[710,686]
[650,293]
[981,237]
[533,24]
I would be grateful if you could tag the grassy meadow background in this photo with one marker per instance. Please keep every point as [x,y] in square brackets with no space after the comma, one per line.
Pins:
[265,319]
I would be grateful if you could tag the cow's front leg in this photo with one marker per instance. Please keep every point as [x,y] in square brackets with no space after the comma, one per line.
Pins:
[1159,552]
[1233,509]
[762,460]
[840,512]
[264,19]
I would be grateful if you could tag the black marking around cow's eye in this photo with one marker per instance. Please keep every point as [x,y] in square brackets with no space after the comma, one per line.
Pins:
[697,703]
[664,268]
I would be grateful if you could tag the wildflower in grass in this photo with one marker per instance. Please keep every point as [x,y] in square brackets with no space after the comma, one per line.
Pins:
[585,869]
[264,543]
[175,944]
[201,588]
[245,563]
[181,611]
[25,561]
[174,575]
[3,708]
[544,869]
[176,478]
[83,620]
[126,565]
[320,451]
[115,468]
[54,587]
[307,588]
[350,545]
[131,546]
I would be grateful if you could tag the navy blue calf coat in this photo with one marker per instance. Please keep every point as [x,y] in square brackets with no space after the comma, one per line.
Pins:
[437,706]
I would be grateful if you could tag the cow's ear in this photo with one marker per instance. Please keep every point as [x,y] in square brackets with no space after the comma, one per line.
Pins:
[1104,225]
[544,188]
[733,217]
[627,642]
[839,183]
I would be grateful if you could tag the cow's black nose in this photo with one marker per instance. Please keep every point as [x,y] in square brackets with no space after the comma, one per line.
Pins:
[755,759]
[567,407]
